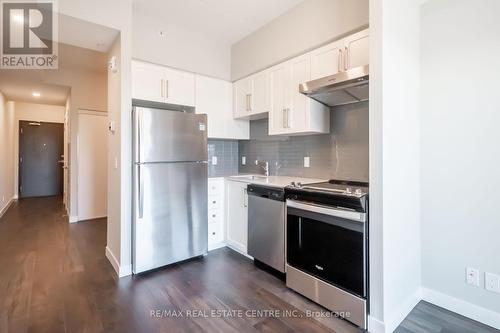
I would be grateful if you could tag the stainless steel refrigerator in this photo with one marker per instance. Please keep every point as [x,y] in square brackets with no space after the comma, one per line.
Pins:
[170,218]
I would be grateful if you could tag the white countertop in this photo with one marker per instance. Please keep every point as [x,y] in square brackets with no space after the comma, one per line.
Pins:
[273,181]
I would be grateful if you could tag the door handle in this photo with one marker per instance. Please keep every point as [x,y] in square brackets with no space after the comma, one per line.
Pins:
[245,198]
[141,193]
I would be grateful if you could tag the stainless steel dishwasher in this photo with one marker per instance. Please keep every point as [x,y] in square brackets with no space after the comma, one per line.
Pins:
[266,225]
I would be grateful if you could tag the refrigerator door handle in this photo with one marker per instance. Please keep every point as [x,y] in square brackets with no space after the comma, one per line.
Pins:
[141,193]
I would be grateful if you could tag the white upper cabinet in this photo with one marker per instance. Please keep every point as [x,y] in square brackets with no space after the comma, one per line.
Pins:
[242,91]
[260,101]
[339,56]
[215,99]
[357,48]
[275,91]
[279,97]
[147,82]
[252,96]
[160,84]
[179,87]
[293,113]
[327,60]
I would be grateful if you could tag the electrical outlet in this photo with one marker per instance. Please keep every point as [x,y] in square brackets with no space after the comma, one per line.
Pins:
[214,160]
[243,160]
[307,162]
[472,276]
[492,282]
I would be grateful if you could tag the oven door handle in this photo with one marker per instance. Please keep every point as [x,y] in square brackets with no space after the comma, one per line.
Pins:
[325,210]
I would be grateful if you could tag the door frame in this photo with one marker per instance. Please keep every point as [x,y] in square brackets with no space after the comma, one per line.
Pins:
[18,151]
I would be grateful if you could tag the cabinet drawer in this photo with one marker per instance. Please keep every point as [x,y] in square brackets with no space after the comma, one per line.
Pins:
[215,187]
[215,233]
[215,202]
[215,216]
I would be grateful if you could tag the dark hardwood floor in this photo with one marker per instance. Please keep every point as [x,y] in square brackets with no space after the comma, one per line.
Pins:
[54,277]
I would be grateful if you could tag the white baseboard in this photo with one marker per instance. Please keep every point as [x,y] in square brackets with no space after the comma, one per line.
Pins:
[393,320]
[375,325]
[239,250]
[73,219]
[403,310]
[121,271]
[6,207]
[464,308]
[212,247]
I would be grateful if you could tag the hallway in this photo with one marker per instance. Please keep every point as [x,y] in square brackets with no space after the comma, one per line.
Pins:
[54,275]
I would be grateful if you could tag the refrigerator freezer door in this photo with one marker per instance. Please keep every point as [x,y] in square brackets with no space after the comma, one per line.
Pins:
[170,213]
[169,136]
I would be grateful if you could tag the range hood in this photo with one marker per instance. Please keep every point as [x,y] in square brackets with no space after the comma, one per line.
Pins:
[339,89]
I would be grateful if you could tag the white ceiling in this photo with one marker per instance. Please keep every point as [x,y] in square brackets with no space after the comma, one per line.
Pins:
[73,31]
[224,20]
[19,85]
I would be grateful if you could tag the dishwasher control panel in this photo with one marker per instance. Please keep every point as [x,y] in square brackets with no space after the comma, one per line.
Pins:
[267,192]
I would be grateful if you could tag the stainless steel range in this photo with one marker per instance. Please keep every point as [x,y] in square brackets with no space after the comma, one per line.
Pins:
[327,246]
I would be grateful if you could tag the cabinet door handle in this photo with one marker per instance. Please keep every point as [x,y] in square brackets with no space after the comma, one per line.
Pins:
[166,88]
[161,88]
[346,62]
[288,118]
[249,102]
[245,198]
[284,118]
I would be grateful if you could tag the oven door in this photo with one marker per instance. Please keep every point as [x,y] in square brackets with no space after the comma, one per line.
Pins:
[329,244]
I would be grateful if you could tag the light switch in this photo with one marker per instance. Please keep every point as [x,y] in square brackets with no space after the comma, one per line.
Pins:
[214,160]
[307,162]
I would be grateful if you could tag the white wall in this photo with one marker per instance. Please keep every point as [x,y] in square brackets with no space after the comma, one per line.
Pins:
[310,24]
[189,50]
[395,251]
[6,154]
[33,112]
[460,115]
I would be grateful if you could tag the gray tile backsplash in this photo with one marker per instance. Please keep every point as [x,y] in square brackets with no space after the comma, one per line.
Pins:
[226,152]
[341,154]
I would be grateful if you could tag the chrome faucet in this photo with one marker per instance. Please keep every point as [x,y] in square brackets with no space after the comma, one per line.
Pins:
[264,165]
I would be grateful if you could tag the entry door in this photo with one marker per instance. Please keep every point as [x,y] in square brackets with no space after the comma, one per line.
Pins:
[41,148]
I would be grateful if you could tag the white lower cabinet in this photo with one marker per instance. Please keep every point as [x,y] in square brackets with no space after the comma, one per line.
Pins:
[215,213]
[236,215]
